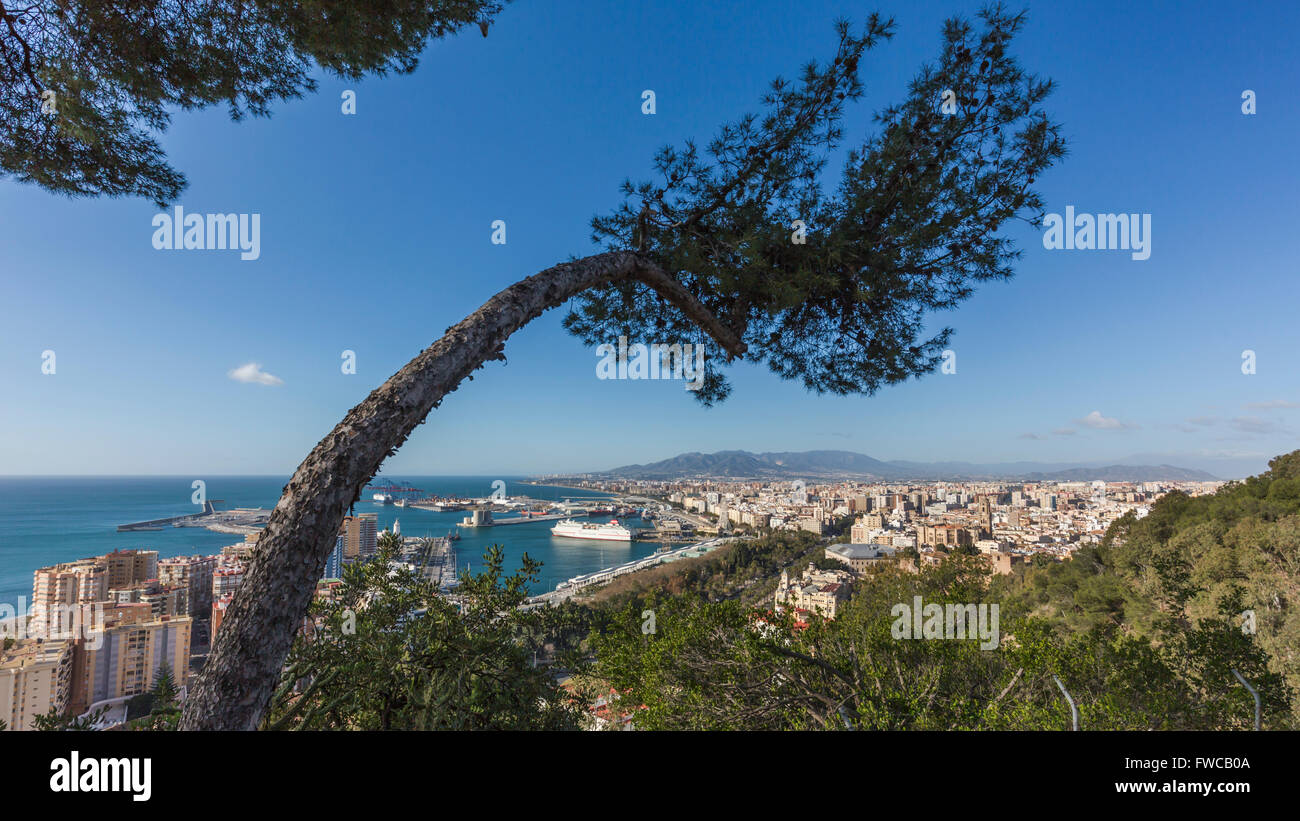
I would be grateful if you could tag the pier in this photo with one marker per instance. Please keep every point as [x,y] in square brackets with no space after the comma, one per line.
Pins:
[239,521]
[483,518]
[209,508]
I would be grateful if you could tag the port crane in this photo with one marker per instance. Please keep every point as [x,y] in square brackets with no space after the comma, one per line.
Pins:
[394,489]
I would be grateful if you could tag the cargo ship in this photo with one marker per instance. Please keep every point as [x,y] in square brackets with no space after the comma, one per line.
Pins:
[610,531]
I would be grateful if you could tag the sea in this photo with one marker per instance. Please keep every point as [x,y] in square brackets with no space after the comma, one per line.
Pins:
[47,520]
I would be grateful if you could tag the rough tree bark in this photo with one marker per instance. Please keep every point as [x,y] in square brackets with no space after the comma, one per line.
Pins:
[244,668]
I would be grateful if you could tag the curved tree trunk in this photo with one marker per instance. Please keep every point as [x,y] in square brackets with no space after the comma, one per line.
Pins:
[244,668]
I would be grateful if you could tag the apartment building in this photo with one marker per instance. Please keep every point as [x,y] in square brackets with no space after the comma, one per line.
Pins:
[129,567]
[193,576]
[219,606]
[59,591]
[334,562]
[226,580]
[134,646]
[862,529]
[241,552]
[35,677]
[360,535]
[162,601]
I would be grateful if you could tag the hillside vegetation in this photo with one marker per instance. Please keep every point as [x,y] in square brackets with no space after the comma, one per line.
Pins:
[1144,630]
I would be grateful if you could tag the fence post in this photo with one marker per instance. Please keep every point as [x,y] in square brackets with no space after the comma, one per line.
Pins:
[1074,711]
[1246,684]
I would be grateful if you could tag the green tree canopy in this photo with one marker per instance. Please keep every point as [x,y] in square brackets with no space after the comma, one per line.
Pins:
[910,228]
[389,653]
[85,87]
[706,253]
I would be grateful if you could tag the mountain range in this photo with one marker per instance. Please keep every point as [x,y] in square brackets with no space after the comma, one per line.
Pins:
[837,464]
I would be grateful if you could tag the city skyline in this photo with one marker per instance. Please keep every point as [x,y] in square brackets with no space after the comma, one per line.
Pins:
[200,362]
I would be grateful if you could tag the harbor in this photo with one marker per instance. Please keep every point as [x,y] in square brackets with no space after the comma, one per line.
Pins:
[238,522]
[97,508]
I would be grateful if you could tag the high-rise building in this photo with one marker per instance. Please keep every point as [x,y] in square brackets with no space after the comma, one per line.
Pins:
[360,535]
[133,648]
[35,678]
[162,601]
[334,563]
[129,567]
[59,592]
[193,575]
[226,580]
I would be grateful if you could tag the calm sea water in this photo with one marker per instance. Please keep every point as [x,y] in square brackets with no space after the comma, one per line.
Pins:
[45,520]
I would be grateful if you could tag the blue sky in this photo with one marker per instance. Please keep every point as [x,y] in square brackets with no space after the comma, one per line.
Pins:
[375,237]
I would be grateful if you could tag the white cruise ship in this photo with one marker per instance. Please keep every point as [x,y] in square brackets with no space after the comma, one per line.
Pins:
[611,531]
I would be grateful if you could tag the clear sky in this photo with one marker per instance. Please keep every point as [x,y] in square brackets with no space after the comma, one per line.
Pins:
[375,237]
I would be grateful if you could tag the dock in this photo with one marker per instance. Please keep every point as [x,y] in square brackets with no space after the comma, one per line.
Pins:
[240,521]
[171,521]
[483,518]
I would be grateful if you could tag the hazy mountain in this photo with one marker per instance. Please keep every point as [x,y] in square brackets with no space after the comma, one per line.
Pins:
[829,464]
[1124,473]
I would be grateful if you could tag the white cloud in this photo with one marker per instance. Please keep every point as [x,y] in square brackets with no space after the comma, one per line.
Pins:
[1253,424]
[253,374]
[1098,422]
[1271,404]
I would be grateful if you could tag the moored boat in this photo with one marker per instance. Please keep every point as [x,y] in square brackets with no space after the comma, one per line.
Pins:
[610,531]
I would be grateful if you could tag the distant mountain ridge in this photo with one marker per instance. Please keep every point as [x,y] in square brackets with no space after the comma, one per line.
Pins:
[834,464]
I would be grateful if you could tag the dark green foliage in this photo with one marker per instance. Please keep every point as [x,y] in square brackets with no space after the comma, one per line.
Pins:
[53,721]
[119,68]
[139,706]
[911,227]
[1191,561]
[721,665]
[164,689]
[390,653]
[746,570]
